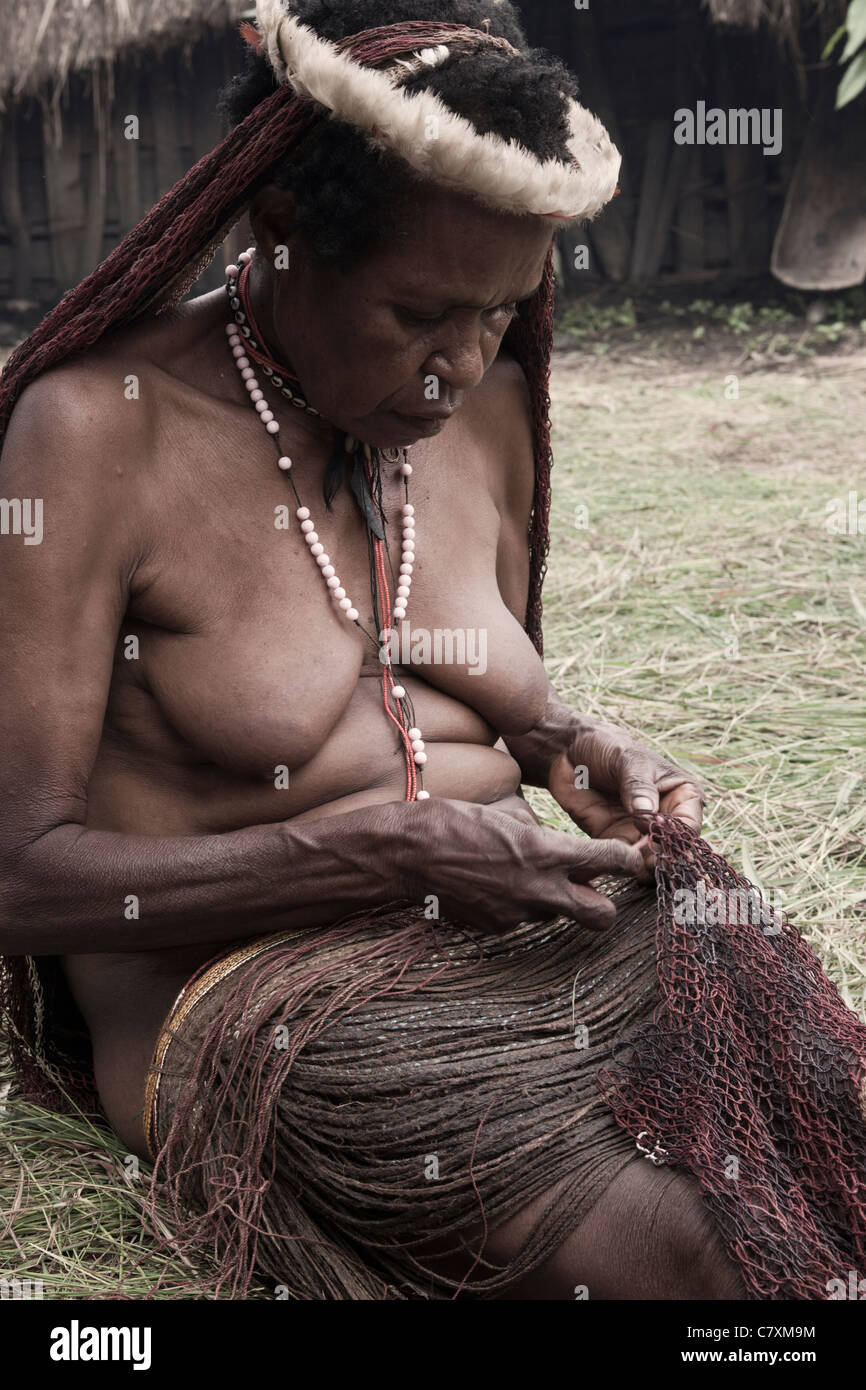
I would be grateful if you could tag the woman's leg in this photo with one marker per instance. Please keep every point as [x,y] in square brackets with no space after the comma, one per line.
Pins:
[649,1236]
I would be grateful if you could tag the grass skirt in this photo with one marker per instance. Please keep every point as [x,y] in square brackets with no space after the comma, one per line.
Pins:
[324,1104]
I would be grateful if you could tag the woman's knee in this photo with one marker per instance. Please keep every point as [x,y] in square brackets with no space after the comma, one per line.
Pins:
[692,1244]
[649,1236]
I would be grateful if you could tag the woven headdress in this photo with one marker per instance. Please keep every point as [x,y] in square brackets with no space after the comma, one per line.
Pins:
[427,135]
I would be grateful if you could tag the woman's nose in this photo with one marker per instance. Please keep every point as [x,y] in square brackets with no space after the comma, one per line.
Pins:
[461,362]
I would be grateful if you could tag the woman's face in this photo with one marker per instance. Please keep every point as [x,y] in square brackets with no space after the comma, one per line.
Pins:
[388,350]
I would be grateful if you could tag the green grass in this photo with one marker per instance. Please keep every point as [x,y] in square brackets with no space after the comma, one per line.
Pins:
[706,523]
[776,325]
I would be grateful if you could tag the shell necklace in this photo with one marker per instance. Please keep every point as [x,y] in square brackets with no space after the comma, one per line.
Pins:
[246,344]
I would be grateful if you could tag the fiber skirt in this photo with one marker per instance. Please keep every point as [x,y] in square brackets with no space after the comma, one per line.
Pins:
[326,1104]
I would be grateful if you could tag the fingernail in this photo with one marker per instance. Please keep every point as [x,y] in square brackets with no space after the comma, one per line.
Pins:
[642,803]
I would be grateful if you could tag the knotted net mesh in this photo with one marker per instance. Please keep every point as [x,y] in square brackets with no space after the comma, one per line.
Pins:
[752,1076]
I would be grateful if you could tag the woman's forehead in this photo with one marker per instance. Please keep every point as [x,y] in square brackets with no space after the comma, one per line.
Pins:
[453,291]
[465,250]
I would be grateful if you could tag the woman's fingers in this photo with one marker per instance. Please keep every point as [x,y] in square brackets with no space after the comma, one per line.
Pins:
[587,859]
[685,800]
[551,898]
[644,845]
[643,791]
[494,869]
[580,861]
[587,906]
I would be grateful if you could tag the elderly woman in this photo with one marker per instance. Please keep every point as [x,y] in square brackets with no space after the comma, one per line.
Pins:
[283,858]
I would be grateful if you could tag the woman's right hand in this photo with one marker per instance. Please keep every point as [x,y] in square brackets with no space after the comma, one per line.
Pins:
[493,868]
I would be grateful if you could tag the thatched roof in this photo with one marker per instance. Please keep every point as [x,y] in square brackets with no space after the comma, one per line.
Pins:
[748,14]
[45,40]
[783,17]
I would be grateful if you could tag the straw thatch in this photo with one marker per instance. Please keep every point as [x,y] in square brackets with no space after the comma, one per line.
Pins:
[782,17]
[45,40]
[749,14]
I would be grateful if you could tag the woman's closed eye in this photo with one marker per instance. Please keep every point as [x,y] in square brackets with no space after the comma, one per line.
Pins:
[509,310]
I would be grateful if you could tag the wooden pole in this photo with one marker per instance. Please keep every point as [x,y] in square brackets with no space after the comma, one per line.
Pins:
[652,192]
[127,152]
[211,59]
[94,229]
[21,271]
[689,224]
[691,53]
[675,177]
[64,194]
[169,164]
[612,230]
[745,165]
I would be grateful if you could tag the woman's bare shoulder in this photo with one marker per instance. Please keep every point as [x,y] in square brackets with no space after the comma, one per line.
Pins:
[501,400]
[104,403]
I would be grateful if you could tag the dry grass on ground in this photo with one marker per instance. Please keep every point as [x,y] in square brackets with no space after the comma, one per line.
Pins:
[707,607]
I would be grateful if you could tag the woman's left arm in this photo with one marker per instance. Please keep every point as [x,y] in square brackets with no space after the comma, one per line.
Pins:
[606,780]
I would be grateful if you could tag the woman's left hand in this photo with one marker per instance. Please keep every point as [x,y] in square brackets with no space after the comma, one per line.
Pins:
[610,784]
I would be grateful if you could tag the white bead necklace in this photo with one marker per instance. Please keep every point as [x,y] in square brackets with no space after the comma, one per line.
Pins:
[414,746]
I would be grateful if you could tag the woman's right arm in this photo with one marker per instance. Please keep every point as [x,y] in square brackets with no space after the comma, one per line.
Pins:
[66,889]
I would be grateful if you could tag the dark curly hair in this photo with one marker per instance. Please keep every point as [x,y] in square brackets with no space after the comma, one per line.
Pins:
[349,195]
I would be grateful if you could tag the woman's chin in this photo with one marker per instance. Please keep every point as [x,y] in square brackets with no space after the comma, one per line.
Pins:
[395,431]
[404,430]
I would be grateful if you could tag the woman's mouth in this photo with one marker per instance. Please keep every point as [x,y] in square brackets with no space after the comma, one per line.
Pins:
[424,424]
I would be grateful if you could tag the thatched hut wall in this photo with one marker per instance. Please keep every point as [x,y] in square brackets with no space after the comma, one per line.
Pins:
[784,18]
[690,213]
[71,71]
[79,184]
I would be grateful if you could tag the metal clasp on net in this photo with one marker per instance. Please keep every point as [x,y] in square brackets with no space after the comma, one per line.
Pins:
[656,1155]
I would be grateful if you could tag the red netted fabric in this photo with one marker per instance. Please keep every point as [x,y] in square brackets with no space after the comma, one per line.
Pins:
[752,1076]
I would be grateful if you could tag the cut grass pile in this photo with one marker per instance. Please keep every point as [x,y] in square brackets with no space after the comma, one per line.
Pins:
[72,1214]
[697,596]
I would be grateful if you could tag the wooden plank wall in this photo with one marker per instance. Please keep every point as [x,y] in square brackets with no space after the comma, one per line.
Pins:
[64,207]
[683,212]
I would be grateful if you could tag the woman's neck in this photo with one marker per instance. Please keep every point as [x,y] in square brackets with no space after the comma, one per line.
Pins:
[261,302]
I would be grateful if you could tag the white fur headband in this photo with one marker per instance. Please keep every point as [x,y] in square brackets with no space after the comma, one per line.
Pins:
[438,144]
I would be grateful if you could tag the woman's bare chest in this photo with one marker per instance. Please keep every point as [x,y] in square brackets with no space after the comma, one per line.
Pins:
[252,663]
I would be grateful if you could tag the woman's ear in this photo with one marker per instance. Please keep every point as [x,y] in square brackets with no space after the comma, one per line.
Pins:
[272,216]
